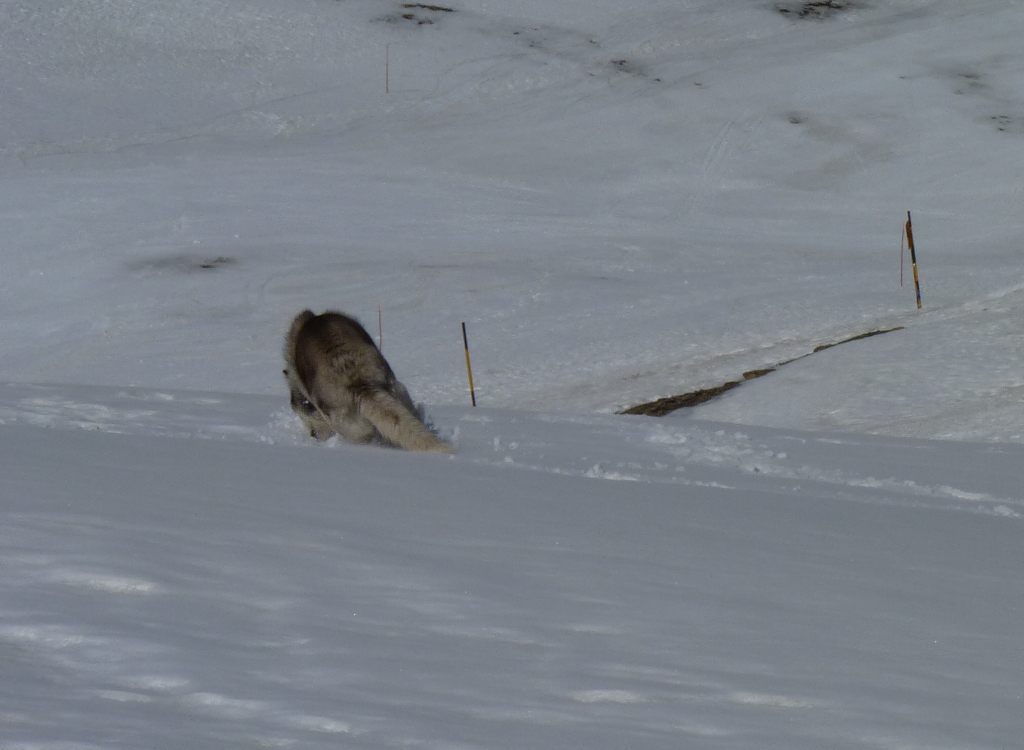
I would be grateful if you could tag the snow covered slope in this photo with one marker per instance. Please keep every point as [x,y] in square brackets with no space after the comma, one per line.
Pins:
[624,200]
[564,581]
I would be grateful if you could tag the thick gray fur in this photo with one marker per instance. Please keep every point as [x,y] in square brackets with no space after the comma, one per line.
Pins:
[341,383]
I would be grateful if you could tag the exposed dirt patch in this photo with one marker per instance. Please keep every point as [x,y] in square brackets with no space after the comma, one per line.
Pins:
[433,8]
[662,406]
[858,337]
[669,404]
[815,9]
[220,260]
[182,263]
[421,14]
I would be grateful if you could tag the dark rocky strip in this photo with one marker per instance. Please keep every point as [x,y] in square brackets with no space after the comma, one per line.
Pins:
[662,406]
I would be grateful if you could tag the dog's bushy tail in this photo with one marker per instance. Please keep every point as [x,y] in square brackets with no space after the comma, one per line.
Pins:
[397,424]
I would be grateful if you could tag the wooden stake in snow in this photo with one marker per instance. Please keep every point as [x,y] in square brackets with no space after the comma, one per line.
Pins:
[913,260]
[469,367]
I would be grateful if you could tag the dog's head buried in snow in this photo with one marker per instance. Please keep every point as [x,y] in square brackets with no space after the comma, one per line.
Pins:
[318,425]
[340,383]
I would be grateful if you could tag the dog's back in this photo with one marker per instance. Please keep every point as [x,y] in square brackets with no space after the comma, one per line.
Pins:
[334,349]
[340,382]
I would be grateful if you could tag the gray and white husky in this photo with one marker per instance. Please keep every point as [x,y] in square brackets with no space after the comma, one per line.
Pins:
[341,383]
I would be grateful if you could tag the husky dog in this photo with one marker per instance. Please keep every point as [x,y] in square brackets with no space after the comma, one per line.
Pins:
[341,383]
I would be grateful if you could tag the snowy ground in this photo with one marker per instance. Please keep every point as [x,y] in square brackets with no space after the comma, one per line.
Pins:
[623,200]
[189,574]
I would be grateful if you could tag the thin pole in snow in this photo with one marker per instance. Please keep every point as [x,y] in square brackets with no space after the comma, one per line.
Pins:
[469,367]
[913,259]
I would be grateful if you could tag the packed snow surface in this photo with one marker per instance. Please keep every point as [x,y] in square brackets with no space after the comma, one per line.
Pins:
[623,201]
[182,571]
